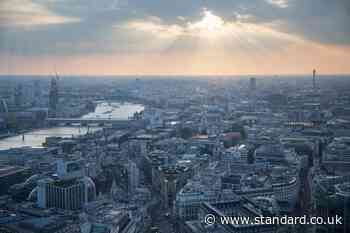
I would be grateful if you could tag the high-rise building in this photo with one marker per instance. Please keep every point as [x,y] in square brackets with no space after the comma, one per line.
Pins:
[18,96]
[36,93]
[53,97]
[70,190]
[314,79]
[252,85]
[252,93]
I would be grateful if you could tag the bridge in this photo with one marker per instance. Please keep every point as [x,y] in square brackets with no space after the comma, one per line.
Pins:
[96,121]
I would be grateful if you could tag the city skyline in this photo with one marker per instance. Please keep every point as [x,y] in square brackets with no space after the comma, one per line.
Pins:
[267,37]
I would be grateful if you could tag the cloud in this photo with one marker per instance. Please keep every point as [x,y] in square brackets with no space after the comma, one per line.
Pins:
[210,26]
[278,3]
[85,27]
[316,20]
[323,21]
[155,26]
[29,13]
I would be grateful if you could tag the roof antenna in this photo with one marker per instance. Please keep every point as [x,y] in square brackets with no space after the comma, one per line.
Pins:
[56,74]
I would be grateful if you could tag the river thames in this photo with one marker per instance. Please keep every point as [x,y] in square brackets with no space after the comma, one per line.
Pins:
[35,138]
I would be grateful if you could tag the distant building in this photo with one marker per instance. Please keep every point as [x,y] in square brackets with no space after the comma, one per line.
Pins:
[314,79]
[252,85]
[53,97]
[36,93]
[18,96]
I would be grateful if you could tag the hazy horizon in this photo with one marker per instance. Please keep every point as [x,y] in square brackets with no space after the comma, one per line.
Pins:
[176,75]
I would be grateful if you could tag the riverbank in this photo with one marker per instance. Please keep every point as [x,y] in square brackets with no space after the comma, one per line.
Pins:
[14,134]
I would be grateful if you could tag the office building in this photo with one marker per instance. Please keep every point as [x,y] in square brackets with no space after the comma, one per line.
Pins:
[70,190]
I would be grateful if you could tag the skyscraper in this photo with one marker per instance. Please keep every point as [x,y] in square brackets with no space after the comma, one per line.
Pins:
[18,95]
[314,80]
[252,85]
[53,97]
[252,93]
[36,93]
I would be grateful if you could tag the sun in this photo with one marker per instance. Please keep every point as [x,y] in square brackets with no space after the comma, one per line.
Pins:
[212,22]
[210,25]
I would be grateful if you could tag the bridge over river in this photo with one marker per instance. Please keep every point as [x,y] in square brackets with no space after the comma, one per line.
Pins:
[115,122]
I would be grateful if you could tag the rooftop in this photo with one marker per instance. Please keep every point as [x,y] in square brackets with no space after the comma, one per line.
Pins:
[65,183]
[99,228]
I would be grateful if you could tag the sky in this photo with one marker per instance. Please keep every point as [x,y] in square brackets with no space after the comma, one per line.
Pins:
[174,37]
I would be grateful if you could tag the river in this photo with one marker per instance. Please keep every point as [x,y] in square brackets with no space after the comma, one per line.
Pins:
[35,138]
